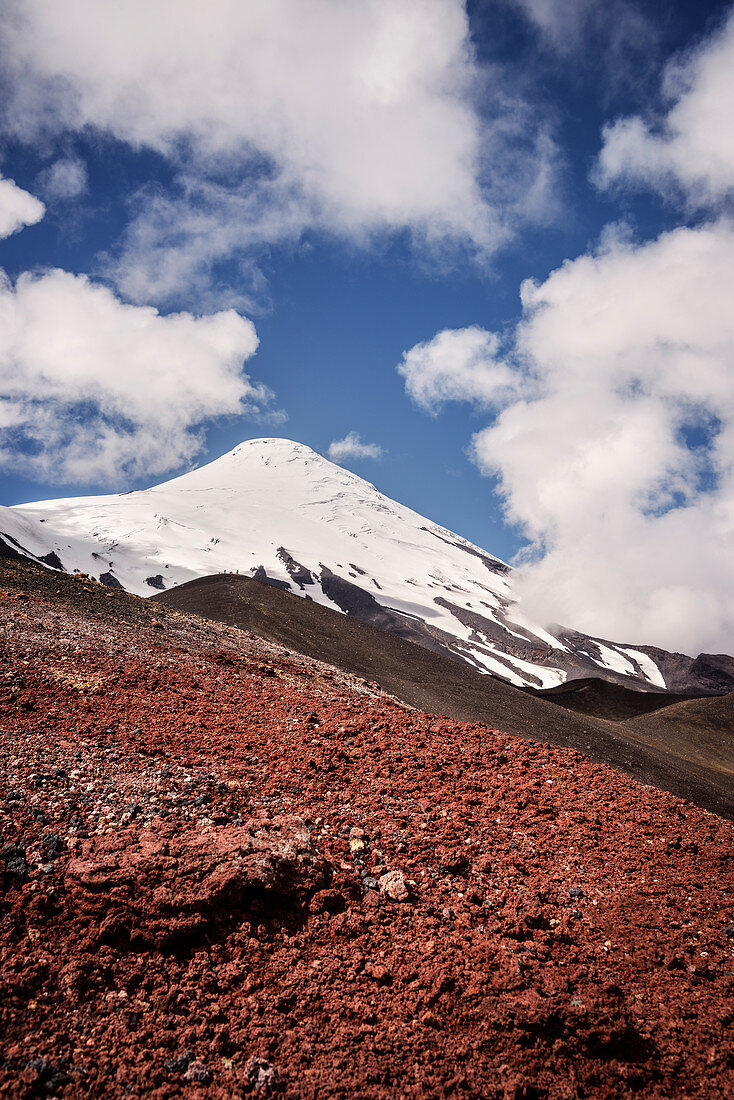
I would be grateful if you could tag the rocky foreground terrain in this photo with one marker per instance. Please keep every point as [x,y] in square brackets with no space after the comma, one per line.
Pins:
[229,870]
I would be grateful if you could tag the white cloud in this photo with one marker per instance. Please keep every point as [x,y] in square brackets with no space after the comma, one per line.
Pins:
[95,390]
[175,241]
[353,447]
[690,149]
[64,179]
[614,449]
[456,365]
[17,208]
[356,118]
[615,455]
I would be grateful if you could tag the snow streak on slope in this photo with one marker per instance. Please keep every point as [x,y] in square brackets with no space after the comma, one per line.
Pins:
[278,511]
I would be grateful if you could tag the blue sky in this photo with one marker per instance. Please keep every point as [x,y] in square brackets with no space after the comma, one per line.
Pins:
[493,145]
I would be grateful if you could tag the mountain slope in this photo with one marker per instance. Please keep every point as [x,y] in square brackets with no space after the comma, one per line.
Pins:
[277,511]
[232,871]
[695,764]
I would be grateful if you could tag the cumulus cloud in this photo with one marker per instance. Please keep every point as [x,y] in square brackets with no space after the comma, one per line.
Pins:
[17,208]
[94,390]
[353,447]
[613,449]
[615,453]
[64,179]
[689,149]
[457,365]
[353,118]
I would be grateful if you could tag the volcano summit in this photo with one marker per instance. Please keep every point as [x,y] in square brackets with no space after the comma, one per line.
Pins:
[277,511]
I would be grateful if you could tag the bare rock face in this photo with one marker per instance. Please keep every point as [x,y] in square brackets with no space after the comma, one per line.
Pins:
[159,885]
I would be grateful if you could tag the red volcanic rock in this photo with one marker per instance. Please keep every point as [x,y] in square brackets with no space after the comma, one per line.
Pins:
[166,883]
[182,910]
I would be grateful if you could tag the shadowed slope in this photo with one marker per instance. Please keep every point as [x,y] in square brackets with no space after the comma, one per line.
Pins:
[701,729]
[601,699]
[433,683]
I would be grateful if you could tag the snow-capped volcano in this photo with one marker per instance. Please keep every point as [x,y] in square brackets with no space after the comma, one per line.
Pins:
[278,511]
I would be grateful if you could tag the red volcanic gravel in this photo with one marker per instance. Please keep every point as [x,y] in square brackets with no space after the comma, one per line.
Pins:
[231,871]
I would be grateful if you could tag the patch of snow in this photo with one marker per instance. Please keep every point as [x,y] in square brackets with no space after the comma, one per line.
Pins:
[613,660]
[648,666]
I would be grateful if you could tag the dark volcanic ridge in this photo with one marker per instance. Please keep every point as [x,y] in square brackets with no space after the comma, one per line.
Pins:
[232,870]
[698,765]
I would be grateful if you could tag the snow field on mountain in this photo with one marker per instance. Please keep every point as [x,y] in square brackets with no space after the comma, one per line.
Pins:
[239,513]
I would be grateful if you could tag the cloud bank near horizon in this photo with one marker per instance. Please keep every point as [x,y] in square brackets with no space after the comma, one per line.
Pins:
[613,447]
[612,401]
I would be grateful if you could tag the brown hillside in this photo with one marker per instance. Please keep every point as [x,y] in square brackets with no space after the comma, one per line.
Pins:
[229,870]
[431,682]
